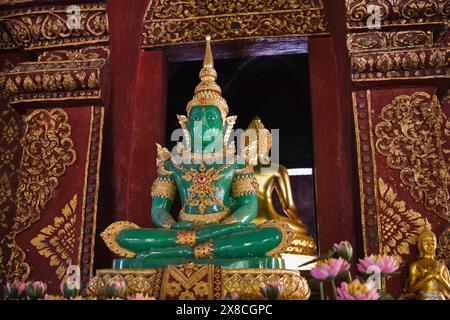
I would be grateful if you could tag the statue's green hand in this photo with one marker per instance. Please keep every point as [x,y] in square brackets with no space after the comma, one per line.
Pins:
[183,225]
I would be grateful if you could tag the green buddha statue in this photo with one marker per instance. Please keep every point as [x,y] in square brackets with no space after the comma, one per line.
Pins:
[218,193]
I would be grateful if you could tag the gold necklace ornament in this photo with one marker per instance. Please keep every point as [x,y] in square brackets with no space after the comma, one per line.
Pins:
[202,188]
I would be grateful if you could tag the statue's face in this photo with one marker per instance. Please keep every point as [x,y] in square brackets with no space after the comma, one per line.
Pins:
[428,245]
[206,128]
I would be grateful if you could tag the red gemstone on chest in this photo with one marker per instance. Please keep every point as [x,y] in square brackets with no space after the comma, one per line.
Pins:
[201,178]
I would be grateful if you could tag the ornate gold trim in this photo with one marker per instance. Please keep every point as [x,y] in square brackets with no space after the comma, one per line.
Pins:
[244,185]
[109,236]
[203,218]
[287,236]
[172,22]
[186,237]
[204,250]
[163,188]
[47,154]
[245,281]
[40,27]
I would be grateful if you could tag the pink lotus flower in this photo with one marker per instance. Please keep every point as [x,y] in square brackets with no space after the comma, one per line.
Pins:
[36,290]
[273,290]
[380,263]
[232,295]
[69,290]
[357,291]
[329,268]
[15,290]
[343,250]
[116,289]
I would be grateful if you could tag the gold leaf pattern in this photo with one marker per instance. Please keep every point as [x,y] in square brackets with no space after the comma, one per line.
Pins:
[47,153]
[411,137]
[443,248]
[57,241]
[400,226]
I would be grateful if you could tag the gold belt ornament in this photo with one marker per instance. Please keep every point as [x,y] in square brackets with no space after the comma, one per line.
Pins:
[205,218]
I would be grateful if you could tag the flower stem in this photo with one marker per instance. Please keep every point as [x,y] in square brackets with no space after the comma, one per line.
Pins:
[333,286]
[349,276]
[322,294]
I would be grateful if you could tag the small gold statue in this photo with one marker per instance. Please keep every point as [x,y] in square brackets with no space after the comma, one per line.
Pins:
[429,279]
[276,178]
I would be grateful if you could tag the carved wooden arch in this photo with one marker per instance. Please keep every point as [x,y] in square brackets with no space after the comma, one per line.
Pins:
[169,23]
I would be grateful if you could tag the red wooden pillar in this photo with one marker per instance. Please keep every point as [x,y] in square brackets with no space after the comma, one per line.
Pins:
[333,135]
[148,128]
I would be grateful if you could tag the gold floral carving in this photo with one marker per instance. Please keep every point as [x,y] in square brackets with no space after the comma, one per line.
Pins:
[443,247]
[414,63]
[53,80]
[370,41]
[47,153]
[153,282]
[400,226]
[202,187]
[398,12]
[6,41]
[45,27]
[57,241]
[88,53]
[179,22]
[248,282]
[410,136]
[188,281]
[13,266]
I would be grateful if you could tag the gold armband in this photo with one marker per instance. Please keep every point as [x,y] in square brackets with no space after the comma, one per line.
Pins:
[244,185]
[186,237]
[204,250]
[163,188]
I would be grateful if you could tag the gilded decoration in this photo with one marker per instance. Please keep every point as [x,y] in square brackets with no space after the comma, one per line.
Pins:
[174,22]
[193,281]
[402,64]
[56,242]
[370,41]
[6,41]
[163,188]
[53,80]
[410,136]
[45,27]
[398,12]
[443,247]
[189,281]
[202,188]
[243,185]
[110,237]
[88,53]
[47,153]
[400,226]
[12,258]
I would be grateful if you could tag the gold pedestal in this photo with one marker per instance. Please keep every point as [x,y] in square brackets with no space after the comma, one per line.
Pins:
[200,282]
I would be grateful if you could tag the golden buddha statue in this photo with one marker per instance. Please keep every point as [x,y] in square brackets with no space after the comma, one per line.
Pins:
[274,177]
[429,279]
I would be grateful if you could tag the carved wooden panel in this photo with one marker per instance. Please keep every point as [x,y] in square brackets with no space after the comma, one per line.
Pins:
[403,143]
[173,22]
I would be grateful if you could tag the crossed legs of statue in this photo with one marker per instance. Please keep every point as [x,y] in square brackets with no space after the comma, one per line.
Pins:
[218,241]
